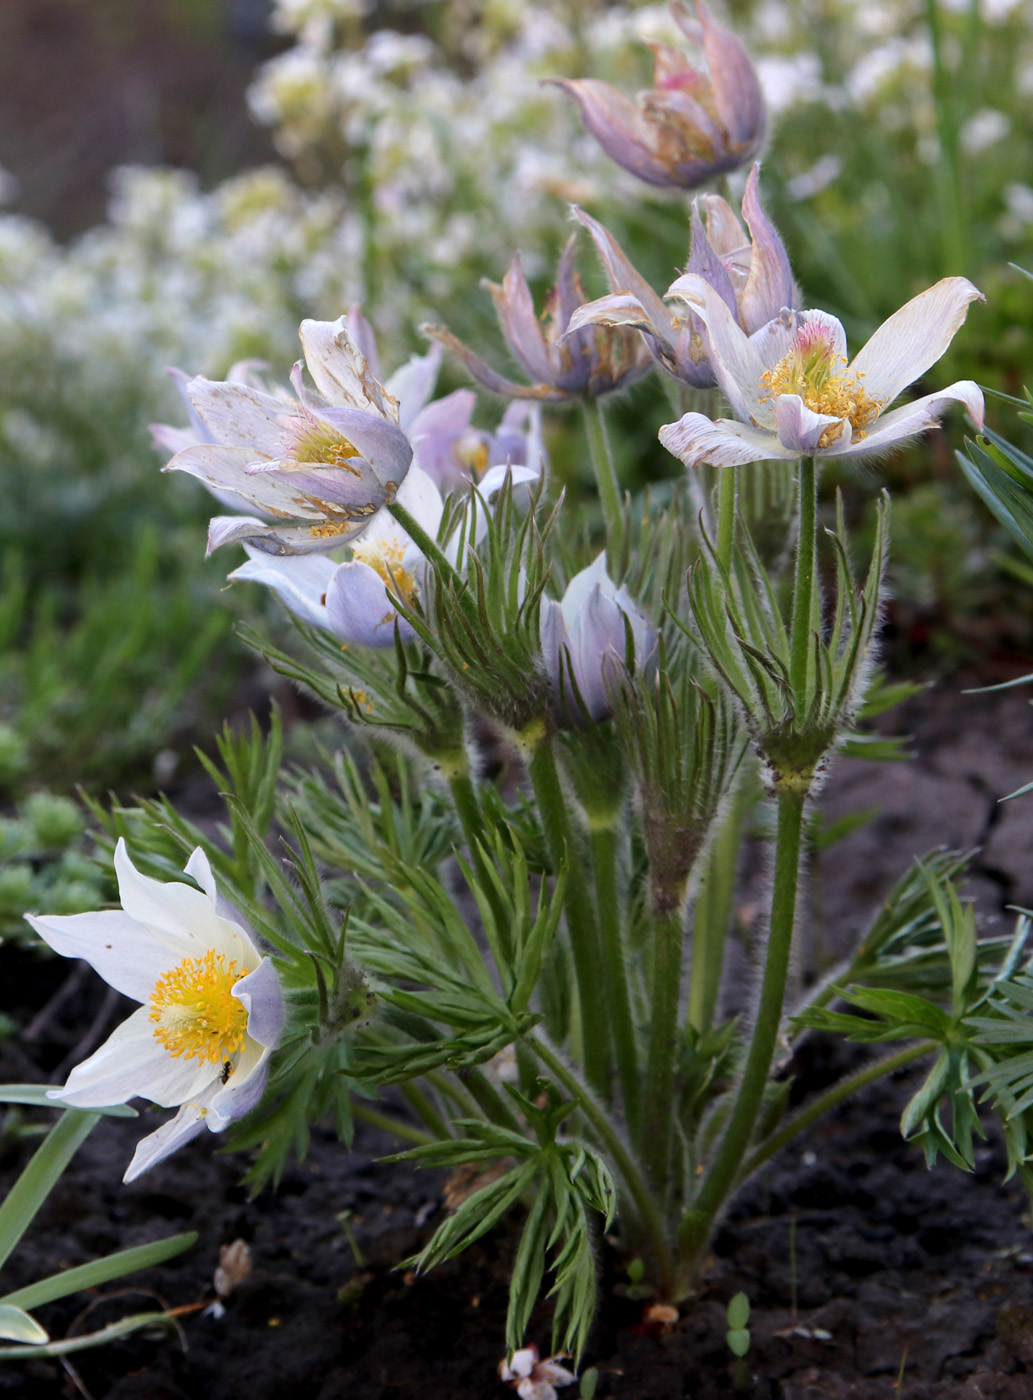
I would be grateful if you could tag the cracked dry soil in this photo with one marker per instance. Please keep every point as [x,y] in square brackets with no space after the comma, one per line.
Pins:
[869,1277]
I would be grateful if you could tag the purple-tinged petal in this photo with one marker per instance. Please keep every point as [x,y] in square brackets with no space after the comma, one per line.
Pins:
[769,286]
[621,275]
[244,1090]
[287,538]
[802,432]
[263,999]
[437,435]
[705,262]
[695,439]
[362,336]
[359,610]
[169,1138]
[384,446]
[913,338]
[736,362]
[725,233]
[487,377]
[904,422]
[733,81]
[520,324]
[569,292]
[620,128]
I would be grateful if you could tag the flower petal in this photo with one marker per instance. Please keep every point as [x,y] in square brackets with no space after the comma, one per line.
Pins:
[132,1063]
[169,1138]
[723,443]
[734,83]
[769,286]
[178,916]
[489,378]
[623,277]
[913,338]
[115,945]
[237,415]
[520,324]
[308,537]
[341,372]
[263,999]
[358,609]
[620,127]
[243,1090]
[800,429]
[413,384]
[301,581]
[902,423]
[736,361]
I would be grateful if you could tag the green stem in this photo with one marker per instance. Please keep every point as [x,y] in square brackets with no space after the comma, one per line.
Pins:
[468,810]
[580,911]
[948,167]
[712,915]
[727,1163]
[829,1100]
[616,974]
[664,1000]
[726,507]
[606,481]
[645,1202]
[387,1124]
[803,591]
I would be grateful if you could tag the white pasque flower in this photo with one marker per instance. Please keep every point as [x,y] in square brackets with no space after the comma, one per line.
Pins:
[351,599]
[211,1008]
[321,466]
[795,394]
[533,1379]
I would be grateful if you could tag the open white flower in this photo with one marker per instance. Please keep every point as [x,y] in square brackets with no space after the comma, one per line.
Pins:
[533,1379]
[211,1009]
[795,394]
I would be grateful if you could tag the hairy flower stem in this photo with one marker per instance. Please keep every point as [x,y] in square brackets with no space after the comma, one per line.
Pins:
[664,1000]
[803,590]
[615,971]
[832,1097]
[609,487]
[724,1170]
[712,913]
[646,1203]
[579,907]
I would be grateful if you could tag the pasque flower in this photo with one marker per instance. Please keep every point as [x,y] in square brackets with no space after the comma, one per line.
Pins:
[689,126]
[351,599]
[535,1379]
[591,361]
[584,641]
[210,1014]
[794,393]
[321,466]
[750,272]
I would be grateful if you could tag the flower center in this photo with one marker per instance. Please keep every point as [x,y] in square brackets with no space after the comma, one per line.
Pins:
[195,1012]
[313,442]
[386,560]
[813,370]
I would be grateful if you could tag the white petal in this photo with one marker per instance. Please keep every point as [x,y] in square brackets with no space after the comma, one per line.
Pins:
[358,609]
[736,361]
[188,1122]
[237,415]
[340,371]
[300,580]
[180,917]
[132,1062]
[199,869]
[696,439]
[118,947]
[800,429]
[413,384]
[904,422]
[913,338]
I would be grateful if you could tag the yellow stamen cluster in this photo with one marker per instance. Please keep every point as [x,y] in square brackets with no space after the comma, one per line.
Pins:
[195,1012]
[386,560]
[813,370]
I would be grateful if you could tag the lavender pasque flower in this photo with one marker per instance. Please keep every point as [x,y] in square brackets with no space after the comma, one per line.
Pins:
[584,641]
[562,365]
[750,272]
[795,394]
[210,1014]
[688,127]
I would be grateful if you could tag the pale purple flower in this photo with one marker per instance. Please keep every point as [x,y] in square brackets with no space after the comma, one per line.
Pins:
[533,1379]
[750,272]
[584,641]
[795,394]
[689,126]
[210,1014]
[351,599]
[321,466]
[592,361]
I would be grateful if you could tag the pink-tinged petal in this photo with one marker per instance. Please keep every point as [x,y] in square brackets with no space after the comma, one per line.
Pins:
[520,324]
[913,338]
[243,1090]
[725,233]
[358,609]
[769,286]
[622,276]
[801,430]
[169,1138]
[263,998]
[413,384]
[620,128]
[487,377]
[300,581]
[237,415]
[112,943]
[904,422]
[132,1063]
[736,362]
[695,439]
[733,81]
[168,439]
[340,371]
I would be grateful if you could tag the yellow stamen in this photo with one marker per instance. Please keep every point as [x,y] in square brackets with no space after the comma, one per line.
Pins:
[386,560]
[814,371]
[195,1012]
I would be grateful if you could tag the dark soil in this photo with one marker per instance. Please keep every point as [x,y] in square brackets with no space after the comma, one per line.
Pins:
[868,1275]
